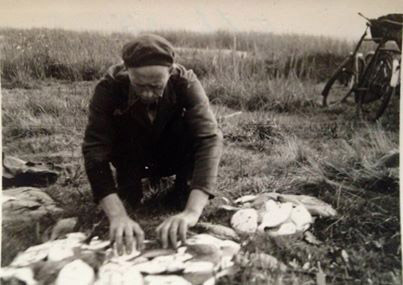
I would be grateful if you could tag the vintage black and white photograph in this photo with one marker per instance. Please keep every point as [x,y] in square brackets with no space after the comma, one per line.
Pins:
[200,142]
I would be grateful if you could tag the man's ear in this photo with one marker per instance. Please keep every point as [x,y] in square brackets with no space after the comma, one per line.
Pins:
[171,69]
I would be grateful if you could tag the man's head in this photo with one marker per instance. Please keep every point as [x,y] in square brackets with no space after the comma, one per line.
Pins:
[149,81]
[149,60]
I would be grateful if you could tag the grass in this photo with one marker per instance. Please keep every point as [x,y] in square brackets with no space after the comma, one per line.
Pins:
[283,141]
[58,54]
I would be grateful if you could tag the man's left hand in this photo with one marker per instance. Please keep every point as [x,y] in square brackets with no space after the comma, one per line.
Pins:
[176,226]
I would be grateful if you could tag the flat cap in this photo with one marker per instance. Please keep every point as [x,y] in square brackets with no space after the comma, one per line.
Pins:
[148,50]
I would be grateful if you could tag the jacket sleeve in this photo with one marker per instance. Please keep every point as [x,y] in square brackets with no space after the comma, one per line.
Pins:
[206,134]
[98,141]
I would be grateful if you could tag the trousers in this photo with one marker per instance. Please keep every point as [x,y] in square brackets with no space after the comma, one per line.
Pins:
[171,159]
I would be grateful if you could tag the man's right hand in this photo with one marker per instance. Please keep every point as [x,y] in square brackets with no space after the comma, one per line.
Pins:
[124,232]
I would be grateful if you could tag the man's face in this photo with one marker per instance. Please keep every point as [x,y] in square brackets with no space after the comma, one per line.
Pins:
[149,82]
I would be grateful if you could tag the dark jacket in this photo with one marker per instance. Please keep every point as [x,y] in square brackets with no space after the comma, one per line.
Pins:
[119,131]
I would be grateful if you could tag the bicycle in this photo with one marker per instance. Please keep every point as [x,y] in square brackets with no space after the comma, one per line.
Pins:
[372,79]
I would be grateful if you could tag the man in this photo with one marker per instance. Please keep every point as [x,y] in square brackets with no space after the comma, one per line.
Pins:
[150,117]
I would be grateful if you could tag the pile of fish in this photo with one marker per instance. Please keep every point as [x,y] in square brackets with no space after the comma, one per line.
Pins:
[73,261]
[276,214]
[202,260]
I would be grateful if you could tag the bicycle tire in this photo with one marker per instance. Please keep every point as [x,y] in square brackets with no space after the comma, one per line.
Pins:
[336,86]
[378,92]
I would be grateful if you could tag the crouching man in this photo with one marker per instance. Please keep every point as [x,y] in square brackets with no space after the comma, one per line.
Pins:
[150,117]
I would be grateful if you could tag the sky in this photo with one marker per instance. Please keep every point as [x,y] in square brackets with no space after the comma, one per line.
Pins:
[336,18]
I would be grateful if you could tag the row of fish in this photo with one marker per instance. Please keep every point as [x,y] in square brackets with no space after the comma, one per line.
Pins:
[197,262]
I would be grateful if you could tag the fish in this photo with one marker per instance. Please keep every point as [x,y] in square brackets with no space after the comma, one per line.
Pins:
[165,280]
[220,231]
[173,263]
[40,252]
[202,249]
[227,246]
[200,267]
[76,272]
[31,255]
[245,221]
[245,199]
[96,244]
[76,236]
[228,208]
[203,239]
[301,217]
[151,267]
[315,206]
[62,227]
[152,253]
[60,252]
[24,274]
[230,248]
[165,264]
[274,214]
[119,274]
[288,228]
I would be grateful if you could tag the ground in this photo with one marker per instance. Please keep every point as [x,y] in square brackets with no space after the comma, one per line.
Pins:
[326,153]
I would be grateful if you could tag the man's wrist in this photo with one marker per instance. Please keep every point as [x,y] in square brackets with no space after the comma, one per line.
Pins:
[113,206]
[198,199]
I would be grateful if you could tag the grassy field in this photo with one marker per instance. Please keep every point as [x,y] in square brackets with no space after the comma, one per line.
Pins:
[58,54]
[283,141]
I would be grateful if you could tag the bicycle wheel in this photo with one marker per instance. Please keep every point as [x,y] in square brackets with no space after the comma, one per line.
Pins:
[339,86]
[376,96]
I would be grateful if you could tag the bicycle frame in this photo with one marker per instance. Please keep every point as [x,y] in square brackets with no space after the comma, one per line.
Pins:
[351,58]
[357,86]
[359,72]
[380,48]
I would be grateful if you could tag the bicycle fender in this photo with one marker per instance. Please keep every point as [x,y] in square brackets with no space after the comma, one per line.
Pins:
[394,80]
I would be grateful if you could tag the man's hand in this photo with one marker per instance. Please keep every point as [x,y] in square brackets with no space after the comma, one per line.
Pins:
[125,232]
[178,225]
